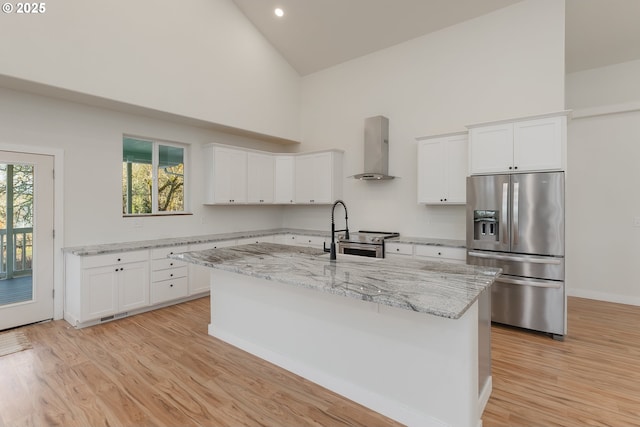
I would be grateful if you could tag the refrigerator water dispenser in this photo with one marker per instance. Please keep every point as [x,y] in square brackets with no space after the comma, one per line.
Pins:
[485,225]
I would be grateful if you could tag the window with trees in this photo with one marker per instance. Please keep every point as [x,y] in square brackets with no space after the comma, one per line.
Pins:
[153,177]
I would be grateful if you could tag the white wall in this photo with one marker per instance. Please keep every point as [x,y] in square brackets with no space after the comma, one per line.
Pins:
[201,59]
[509,63]
[611,85]
[603,245]
[91,138]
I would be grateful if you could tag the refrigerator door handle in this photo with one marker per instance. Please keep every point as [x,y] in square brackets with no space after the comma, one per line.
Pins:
[503,213]
[514,219]
[532,260]
[536,284]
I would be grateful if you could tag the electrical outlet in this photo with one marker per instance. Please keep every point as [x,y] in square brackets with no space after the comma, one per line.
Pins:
[636,221]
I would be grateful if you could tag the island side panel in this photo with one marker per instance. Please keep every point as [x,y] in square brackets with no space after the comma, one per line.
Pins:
[416,368]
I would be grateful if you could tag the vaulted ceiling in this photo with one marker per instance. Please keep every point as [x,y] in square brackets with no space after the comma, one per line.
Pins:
[317,34]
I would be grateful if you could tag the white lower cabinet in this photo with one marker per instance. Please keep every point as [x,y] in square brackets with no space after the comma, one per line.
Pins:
[426,252]
[398,249]
[259,239]
[199,275]
[169,277]
[441,253]
[311,241]
[102,286]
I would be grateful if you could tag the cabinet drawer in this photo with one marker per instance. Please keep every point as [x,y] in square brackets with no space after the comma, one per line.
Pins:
[161,253]
[444,252]
[172,273]
[398,249]
[212,245]
[259,239]
[313,241]
[169,290]
[92,261]
[164,264]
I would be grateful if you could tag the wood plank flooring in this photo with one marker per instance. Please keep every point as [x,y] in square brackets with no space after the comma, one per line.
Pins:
[159,368]
[162,369]
[590,379]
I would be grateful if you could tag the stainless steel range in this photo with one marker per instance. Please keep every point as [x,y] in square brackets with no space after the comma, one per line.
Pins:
[364,243]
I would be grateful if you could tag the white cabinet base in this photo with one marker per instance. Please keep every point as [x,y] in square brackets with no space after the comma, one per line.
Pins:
[416,368]
[75,322]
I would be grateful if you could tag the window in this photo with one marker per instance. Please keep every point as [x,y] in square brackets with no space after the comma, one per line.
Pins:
[153,177]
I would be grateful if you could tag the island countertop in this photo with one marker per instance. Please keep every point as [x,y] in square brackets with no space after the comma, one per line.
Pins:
[437,288]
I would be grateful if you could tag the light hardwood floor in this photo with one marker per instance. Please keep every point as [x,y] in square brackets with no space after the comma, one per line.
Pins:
[590,379]
[161,368]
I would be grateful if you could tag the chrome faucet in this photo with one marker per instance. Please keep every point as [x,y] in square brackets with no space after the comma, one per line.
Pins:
[332,248]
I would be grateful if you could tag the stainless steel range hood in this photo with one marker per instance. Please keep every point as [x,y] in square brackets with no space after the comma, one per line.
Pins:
[376,149]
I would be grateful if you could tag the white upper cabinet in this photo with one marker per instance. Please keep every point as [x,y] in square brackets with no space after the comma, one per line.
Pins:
[226,175]
[442,169]
[260,185]
[538,144]
[518,146]
[284,176]
[236,175]
[318,177]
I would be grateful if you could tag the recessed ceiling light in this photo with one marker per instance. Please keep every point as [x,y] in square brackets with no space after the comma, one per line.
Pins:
[279,12]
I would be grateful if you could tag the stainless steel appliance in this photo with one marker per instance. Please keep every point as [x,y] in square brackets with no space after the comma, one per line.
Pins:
[364,243]
[516,222]
[376,150]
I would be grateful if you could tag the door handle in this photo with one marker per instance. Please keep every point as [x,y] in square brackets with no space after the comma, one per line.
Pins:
[503,212]
[532,260]
[514,219]
[521,282]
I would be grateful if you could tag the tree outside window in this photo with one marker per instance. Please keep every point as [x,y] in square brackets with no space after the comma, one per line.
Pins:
[153,177]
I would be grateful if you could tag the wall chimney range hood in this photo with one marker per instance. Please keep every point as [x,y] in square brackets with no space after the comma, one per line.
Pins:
[376,150]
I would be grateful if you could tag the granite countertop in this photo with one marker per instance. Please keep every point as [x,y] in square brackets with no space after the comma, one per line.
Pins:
[207,238]
[440,289]
[452,243]
[179,241]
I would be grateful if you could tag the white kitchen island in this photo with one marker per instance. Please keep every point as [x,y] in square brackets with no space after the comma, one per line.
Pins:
[399,337]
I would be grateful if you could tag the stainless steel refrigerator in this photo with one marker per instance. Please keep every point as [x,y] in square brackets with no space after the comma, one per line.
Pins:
[516,222]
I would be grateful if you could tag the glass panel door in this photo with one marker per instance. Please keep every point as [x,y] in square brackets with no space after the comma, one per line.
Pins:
[26,238]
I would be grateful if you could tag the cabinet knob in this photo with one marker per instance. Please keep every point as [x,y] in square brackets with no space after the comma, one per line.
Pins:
[121,268]
[397,249]
[171,275]
[119,259]
[116,269]
[171,285]
[170,264]
[439,253]
[515,167]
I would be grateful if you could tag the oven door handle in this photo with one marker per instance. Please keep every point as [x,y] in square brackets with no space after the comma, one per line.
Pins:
[533,260]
